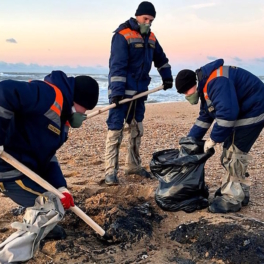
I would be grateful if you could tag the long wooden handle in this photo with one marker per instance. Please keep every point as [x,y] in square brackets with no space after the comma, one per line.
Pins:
[124,101]
[36,178]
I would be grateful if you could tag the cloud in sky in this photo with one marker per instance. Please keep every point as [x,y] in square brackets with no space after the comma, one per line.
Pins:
[22,67]
[260,59]
[212,58]
[235,12]
[237,59]
[11,40]
[254,66]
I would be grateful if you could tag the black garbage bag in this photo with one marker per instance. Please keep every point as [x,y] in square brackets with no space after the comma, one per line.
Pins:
[181,176]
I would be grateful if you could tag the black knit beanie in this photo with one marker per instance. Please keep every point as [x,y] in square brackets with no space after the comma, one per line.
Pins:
[146,8]
[185,80]
[86,92]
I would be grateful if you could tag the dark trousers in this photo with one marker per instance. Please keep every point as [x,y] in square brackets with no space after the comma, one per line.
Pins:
[23,192]
[244,137]
[118,114]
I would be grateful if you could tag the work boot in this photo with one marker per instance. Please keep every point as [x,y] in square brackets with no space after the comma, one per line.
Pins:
[111,179]
[246,192]
[246,199]
[57,233]
[223,204]
[141,172]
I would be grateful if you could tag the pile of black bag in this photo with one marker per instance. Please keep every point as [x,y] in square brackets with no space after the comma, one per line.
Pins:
[181,176]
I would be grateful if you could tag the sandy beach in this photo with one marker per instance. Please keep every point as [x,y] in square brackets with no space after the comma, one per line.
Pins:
[158,236]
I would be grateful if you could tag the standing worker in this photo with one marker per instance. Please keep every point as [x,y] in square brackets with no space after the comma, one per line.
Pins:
[35,118]
[234,99]
[134,48]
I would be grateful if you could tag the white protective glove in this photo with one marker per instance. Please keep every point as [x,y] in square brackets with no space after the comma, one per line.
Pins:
[209,143]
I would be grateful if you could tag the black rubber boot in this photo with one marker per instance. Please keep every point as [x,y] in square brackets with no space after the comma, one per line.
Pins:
[222,205]
[218,192]
[244,202]
[57,233]
[111,179]
[142,172]
[246,192]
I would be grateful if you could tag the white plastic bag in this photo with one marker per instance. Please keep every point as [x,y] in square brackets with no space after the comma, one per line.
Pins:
[38,221]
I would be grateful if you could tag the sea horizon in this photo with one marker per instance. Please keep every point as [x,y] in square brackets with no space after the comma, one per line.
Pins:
[161,96]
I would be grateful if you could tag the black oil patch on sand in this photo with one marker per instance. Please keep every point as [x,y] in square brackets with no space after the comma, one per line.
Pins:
[132,224]
[229,242]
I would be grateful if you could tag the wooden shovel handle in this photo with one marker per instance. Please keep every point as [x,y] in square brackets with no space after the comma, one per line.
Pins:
[36,178]
[124,101]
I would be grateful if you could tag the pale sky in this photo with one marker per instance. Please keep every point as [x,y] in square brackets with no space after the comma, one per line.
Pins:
[38,34]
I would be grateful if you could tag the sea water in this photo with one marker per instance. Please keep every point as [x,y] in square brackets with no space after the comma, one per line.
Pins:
[161,96]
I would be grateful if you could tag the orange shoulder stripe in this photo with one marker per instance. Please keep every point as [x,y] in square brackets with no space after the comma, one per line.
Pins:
[152,36]
[128,33]
[213,75]
[58,99]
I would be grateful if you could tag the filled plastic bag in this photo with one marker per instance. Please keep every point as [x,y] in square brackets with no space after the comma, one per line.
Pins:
[181,176]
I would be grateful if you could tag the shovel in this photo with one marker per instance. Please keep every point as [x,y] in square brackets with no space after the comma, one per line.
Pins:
[36,178]
[124,101]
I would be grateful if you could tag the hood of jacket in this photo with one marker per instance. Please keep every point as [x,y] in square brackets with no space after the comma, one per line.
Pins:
[206,71]
[131,23]
[66,85]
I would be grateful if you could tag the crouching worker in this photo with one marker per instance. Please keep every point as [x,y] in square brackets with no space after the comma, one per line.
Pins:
[234,99]
[35,118]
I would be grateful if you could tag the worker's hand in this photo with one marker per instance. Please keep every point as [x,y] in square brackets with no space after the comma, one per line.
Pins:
[209,143]
[167,83]
[67,200]
[116,99]
[1,149]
